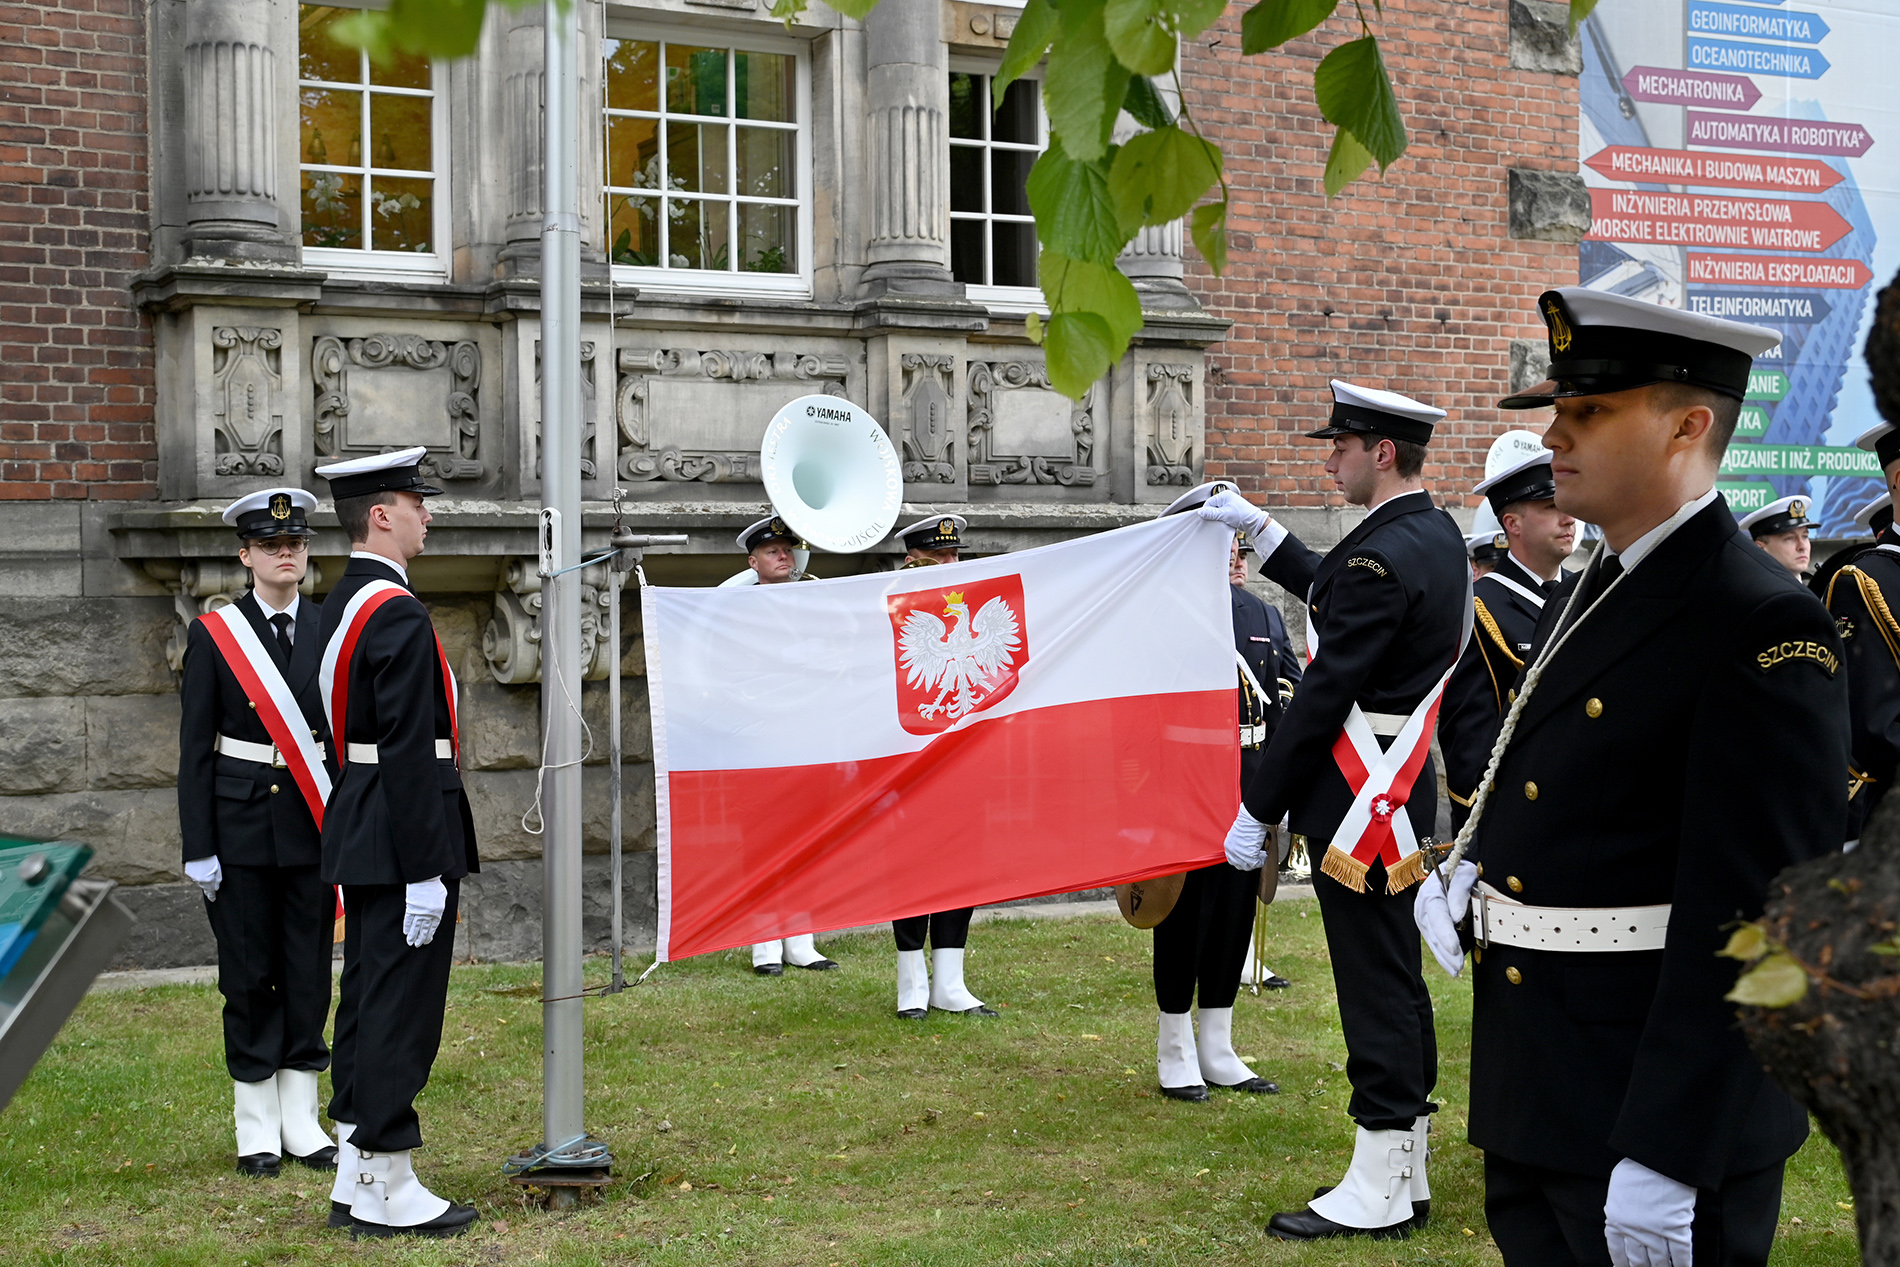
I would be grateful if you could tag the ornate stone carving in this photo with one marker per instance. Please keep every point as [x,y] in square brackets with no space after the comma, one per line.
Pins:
[590,466]
[1168,400]
[1014,398]
[698,414]
[927,435]
[248,390]
[406,390]
[511,641]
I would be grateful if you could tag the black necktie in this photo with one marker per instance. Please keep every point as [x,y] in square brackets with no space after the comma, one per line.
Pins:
[1607,571]
[282,621]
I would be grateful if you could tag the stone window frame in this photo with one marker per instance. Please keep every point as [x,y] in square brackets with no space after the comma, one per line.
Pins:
[1009,299]
[706,283]
[396,265]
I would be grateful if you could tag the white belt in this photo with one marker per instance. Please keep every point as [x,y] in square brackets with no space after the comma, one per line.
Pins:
[365,753]
[1386,725]
[1253,736]
[1508,922]
[262,753]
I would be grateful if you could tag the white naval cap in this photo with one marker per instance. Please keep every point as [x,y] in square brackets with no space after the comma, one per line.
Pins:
[1196,497]
[770,528]
[1864,517]
[1882,440]
[1365,411]
[1485,546]
[1527,479]
[379,473]
[271,512]
[1784,514]
[934,532]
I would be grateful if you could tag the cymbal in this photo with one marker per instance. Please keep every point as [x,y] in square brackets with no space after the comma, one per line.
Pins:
[1146,903]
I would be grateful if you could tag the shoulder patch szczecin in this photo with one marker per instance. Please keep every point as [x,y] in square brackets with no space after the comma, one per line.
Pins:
[1371,564]
[1783,652]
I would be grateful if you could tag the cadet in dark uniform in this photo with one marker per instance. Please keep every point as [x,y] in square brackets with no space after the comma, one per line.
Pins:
[1781,528]
[1276,665]
[1622,1116]
[771,552]
[1506,603]
[1389,606]
[1204,938]
[251,835]
[1863,595]
[1486,550]
[398,837]
[929,542]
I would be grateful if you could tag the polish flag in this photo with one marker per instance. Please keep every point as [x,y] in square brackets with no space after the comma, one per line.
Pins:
[856,750]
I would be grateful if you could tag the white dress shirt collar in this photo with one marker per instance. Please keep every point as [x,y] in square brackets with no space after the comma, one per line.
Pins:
[1644,545]
[383,559]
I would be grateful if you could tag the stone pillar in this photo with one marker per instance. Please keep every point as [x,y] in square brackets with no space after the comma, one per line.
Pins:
[1155,263]
[521,142]
[907,97]
[231,124]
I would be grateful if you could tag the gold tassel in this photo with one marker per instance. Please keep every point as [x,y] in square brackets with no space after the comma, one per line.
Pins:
[1344,868]
[1409,871]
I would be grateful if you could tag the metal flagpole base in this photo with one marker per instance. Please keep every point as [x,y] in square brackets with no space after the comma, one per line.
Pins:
[562,1173]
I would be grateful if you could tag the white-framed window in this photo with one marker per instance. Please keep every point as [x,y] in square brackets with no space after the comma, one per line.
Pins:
[372,154]
[992,231]
[708,162]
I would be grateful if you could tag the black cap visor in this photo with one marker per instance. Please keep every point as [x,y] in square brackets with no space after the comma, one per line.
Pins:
[1356,420]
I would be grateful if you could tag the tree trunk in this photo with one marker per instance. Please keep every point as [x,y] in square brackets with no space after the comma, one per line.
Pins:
[1836,1053]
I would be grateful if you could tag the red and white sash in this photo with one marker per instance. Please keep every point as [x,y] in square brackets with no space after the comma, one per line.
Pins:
[334,677]
[264,685]
[1376,824]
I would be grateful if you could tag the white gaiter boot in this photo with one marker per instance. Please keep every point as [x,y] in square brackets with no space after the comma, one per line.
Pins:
[388,1194]
[297,1100]
[259,1120]
[801,951]
[1175,1058]
[1376,1192]
[767,953]
[947,990]
[913,984]
[348,1167]
[1421,1154]
[1220,1067]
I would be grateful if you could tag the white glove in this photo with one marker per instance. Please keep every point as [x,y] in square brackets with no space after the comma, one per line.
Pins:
[1230,508]
[1646,1218]
[422,907]
[1437,912]
[1246,842]
[207,874]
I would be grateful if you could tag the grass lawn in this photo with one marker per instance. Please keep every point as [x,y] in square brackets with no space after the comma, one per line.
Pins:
[792,1121]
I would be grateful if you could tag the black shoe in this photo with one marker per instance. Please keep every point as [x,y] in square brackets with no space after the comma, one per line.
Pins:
[451,1222]
[1252,1086]
[258,1165]
[911,1014]
[1421,1210]
[978,1010]
[1307,1225]
[769,969]
[821,965]
[1196,1094]
[1275,982]
[323,1159]
[339,1214]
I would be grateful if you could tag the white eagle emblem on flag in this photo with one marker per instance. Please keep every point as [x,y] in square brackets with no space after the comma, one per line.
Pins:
[959,662]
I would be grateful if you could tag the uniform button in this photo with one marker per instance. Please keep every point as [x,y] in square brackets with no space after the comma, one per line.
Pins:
[1510,695]
[1530,791]
[253,704]
[1514,976]
[273,788]
[1514,884]
[1593,708]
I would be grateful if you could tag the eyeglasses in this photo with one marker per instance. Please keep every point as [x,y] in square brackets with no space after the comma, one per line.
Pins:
[282,545]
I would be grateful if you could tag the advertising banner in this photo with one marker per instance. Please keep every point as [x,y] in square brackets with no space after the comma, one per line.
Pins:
[1734,154]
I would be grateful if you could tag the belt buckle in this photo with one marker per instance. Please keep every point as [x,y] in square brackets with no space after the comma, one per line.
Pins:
[277,758]
[1481,930]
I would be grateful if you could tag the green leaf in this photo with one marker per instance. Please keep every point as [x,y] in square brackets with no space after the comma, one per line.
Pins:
[1139,35]
[1355,94]
[1747,943]
[1345,163]
[1144,103]
[859,9]
[1272,23]
[1158,175]
[1191,17]
[1776,981]
[1074,213]
[445,29]
[1100,290]
[1208,226]
[1579,10]
[1032,326]
[1036,27]
[1078,350]
[1085,84]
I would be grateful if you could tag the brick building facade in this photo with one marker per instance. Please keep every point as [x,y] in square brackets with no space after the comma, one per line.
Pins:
[204,292]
